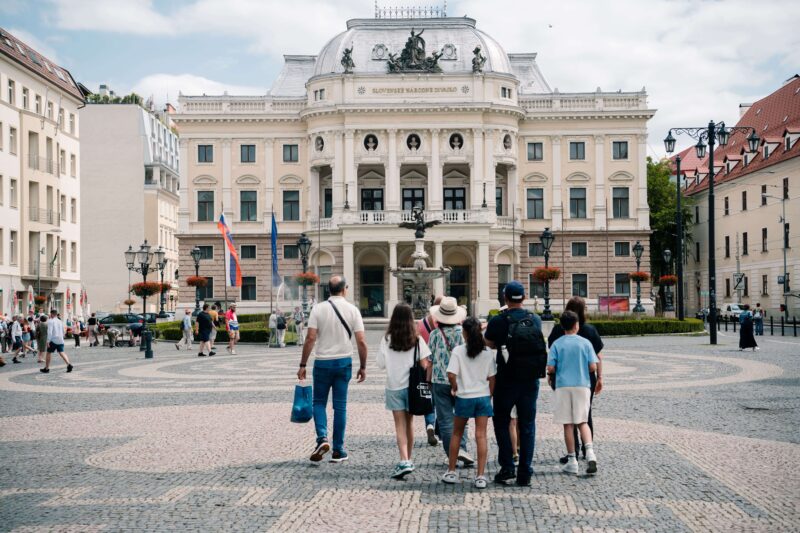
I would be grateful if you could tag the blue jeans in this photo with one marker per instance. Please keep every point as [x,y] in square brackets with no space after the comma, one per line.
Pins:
[523,395]
[331,374]
[445,405]
[759,325]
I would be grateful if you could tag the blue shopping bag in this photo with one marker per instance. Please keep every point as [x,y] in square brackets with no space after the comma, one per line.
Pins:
[301,408]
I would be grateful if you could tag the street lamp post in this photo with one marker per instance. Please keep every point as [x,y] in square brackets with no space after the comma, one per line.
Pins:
[161,261]
[547,237]
[713,133]
[679,237]
[786,287]
[304,245]
[195,253]
[144,259]
[638,249]
[668,305]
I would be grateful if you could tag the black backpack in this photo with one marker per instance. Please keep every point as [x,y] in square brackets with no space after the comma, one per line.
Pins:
[527,351]
[281,322]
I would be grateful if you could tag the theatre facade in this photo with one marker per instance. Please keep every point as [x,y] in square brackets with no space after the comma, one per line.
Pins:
[394,113]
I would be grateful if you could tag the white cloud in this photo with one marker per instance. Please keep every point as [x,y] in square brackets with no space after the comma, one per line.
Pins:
[34,42]
[116,16]
[163,86]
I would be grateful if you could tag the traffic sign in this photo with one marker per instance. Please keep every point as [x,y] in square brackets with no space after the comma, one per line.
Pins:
[737,280]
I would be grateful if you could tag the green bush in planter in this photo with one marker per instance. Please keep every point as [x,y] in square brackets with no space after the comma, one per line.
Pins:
[651,326]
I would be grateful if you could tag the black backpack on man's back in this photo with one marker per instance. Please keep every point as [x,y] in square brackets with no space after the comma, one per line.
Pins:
[527,351]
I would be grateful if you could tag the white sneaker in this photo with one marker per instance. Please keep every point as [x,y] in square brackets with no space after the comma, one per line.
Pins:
[591,461]
[571,467]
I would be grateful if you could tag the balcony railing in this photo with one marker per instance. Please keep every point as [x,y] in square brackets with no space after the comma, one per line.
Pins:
[43,269]
[41,163]
[45,216]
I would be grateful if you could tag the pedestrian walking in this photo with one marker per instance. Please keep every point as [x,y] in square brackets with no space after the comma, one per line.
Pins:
[443,340]
[41,338]
[569,364]
[400,347]
[232,326]
[424,327]
[26,336]
[55,342]
[94,338]
[16,335]
[299,323]
[577,305]
[516,334]
[272,325]
[203,327]
[758,319]
[280,324]
[746,337]
[186,331]
[214,323]
[331,329]
[471,373]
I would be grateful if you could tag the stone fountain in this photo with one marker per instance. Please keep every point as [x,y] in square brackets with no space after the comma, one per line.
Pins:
[420,274]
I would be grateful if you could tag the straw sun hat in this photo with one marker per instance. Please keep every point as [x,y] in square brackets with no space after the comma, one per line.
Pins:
[448,311]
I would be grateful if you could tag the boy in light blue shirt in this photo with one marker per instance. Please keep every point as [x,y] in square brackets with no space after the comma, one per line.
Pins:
[569,363]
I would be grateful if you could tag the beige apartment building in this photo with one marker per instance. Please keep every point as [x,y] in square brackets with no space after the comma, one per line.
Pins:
[756,203]
[130,191]
[39,179]
[384,118]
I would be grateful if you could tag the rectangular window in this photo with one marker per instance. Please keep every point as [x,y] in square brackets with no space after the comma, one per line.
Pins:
[11,92]
[579,249]
[73,210]
[622,284]
[763,195]
[697,252]
[25,98]
[577,150]
[621,202]
[206,252]
[744,243]
[290,153]
[727,287]
[498,199]
[372,199]
[12,140]
[37,104]
[61,124]
[247,202]
[247,251]
[207,292]
[248,153]
[535,152]
[73,257]
[62,162]
[535,287]
[50,110]
[248,288]
[579,285]
[12,247]
[577,202]
[696,214]
[454,198]
[622,249]
[763,239]
[291,251]
[727,246]
[62,207]
[205,153]
[327,211]
[764,284]
[413,197]
[73,165]
[744,200]
[744,287]
[727,210]
[620,149]
[72,123]
[62,258]
[786,235]
[503,277]
[785,188]
[535,203]
[205,206]
[535,249]
[12,193]
[291,205]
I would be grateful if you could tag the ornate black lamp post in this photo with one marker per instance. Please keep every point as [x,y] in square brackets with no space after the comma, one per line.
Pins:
[713,133]
[668,305]
[638,250]
[196,253]
[143,258]
[304,245]
[547,237]
[669,144]
[161,263]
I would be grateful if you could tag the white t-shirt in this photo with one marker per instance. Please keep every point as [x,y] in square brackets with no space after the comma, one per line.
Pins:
[332,340]
[398,364]
[472,374]
[55,331]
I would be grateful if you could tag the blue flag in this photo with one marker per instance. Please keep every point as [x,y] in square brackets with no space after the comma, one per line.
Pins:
[276,279]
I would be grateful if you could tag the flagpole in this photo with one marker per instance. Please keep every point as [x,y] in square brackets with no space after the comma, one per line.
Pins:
[226,265]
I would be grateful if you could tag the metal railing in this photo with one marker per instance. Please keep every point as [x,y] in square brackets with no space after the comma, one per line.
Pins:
[44,164]
[44,269]
[786,327]
[45,216]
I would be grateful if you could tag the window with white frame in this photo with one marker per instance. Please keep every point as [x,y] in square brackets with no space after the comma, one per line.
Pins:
[577,150]
[619,149]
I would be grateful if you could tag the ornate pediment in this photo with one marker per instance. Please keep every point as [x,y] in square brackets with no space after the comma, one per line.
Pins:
[205,180]
[247,180]
[621,176]
[578,177]
[290,180]
[535,177]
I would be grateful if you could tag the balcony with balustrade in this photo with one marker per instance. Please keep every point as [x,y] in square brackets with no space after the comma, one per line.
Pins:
[448,217]
[43,216]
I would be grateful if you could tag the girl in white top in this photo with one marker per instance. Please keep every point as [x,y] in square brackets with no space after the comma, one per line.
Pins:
[471,372]
[396,354]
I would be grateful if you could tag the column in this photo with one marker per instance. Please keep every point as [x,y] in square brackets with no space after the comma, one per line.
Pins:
[490,174]
[227,186]
[476,170]
[485,303]
[350,175]
[435,175]
[556,208]
[643,210]
[392,178]
[393,298]
[338,173]
[513,192]
[438,284]
[599,183]
[186,196]
[269,178]
[348,268]
[314,210]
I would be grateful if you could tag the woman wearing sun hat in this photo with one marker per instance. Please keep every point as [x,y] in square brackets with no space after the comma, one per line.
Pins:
[446,336]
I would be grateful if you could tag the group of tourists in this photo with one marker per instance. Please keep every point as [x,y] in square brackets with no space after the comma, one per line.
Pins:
[209,320]
[37,335]
[474,371]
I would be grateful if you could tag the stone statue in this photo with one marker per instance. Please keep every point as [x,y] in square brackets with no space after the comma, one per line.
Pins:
[419,224]
[478,60]
[347,60]
[393,63]
[413,58]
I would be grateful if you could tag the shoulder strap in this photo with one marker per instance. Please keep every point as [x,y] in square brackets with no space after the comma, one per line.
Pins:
[446,340]
[346,327]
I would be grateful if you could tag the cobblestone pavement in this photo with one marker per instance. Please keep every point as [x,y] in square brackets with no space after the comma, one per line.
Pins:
[689,437]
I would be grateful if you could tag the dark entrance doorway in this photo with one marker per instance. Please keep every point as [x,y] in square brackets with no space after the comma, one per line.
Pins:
[459,285]
[372,291]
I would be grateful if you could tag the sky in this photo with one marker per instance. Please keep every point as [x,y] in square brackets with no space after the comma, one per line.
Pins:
[697,59]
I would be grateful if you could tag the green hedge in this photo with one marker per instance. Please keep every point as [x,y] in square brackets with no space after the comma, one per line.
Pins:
[649,326]
[258,335]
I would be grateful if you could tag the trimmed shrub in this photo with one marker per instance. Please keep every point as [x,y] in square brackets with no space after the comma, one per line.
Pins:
[651,326]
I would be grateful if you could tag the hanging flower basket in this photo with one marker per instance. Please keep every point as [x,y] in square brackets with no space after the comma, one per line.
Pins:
[40,299]
[668,280]
[196,281]
[146,288]
[306,278]
[639,276]
[165,287]
[129,302]
[544,274]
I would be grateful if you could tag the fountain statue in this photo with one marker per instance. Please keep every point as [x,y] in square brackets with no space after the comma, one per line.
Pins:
[420,274]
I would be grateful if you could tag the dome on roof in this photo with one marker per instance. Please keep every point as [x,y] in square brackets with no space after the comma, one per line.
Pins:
[372,40]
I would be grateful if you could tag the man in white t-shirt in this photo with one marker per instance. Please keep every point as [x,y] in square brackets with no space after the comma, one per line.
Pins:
[332,326]
[55,342]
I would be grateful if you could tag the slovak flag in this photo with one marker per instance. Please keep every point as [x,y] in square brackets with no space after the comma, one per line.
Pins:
[233,270]
[69,299]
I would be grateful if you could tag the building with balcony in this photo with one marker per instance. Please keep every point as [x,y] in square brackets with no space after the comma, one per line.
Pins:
[346,142]
[756,202]
[39,178]
[130,191]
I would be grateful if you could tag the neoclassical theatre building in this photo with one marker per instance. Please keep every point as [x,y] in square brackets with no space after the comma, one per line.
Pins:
[397,112]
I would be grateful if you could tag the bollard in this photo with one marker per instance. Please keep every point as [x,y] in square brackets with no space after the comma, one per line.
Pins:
[726,324]
[771,326]
[735,320]
[781,325]
[794,325]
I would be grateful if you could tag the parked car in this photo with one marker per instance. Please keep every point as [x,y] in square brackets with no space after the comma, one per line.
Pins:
[124,323]
[731,311]
[702,314]
[151,317]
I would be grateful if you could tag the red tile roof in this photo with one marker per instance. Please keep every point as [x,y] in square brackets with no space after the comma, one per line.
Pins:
[771,117]
[26,56]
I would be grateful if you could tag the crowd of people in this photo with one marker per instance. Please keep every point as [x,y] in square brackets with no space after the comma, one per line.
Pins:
[474,371]
[39,336]
[209,320]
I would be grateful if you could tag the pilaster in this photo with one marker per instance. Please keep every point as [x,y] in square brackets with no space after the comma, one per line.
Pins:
[476,170]
[643,209]
[348,268]
[338,171]
[392,174]
[600,202]
[556,209]
[269,177]
[350,173]
[393,293]
[186,192]
[438,283]
[227,186]
[435,175]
